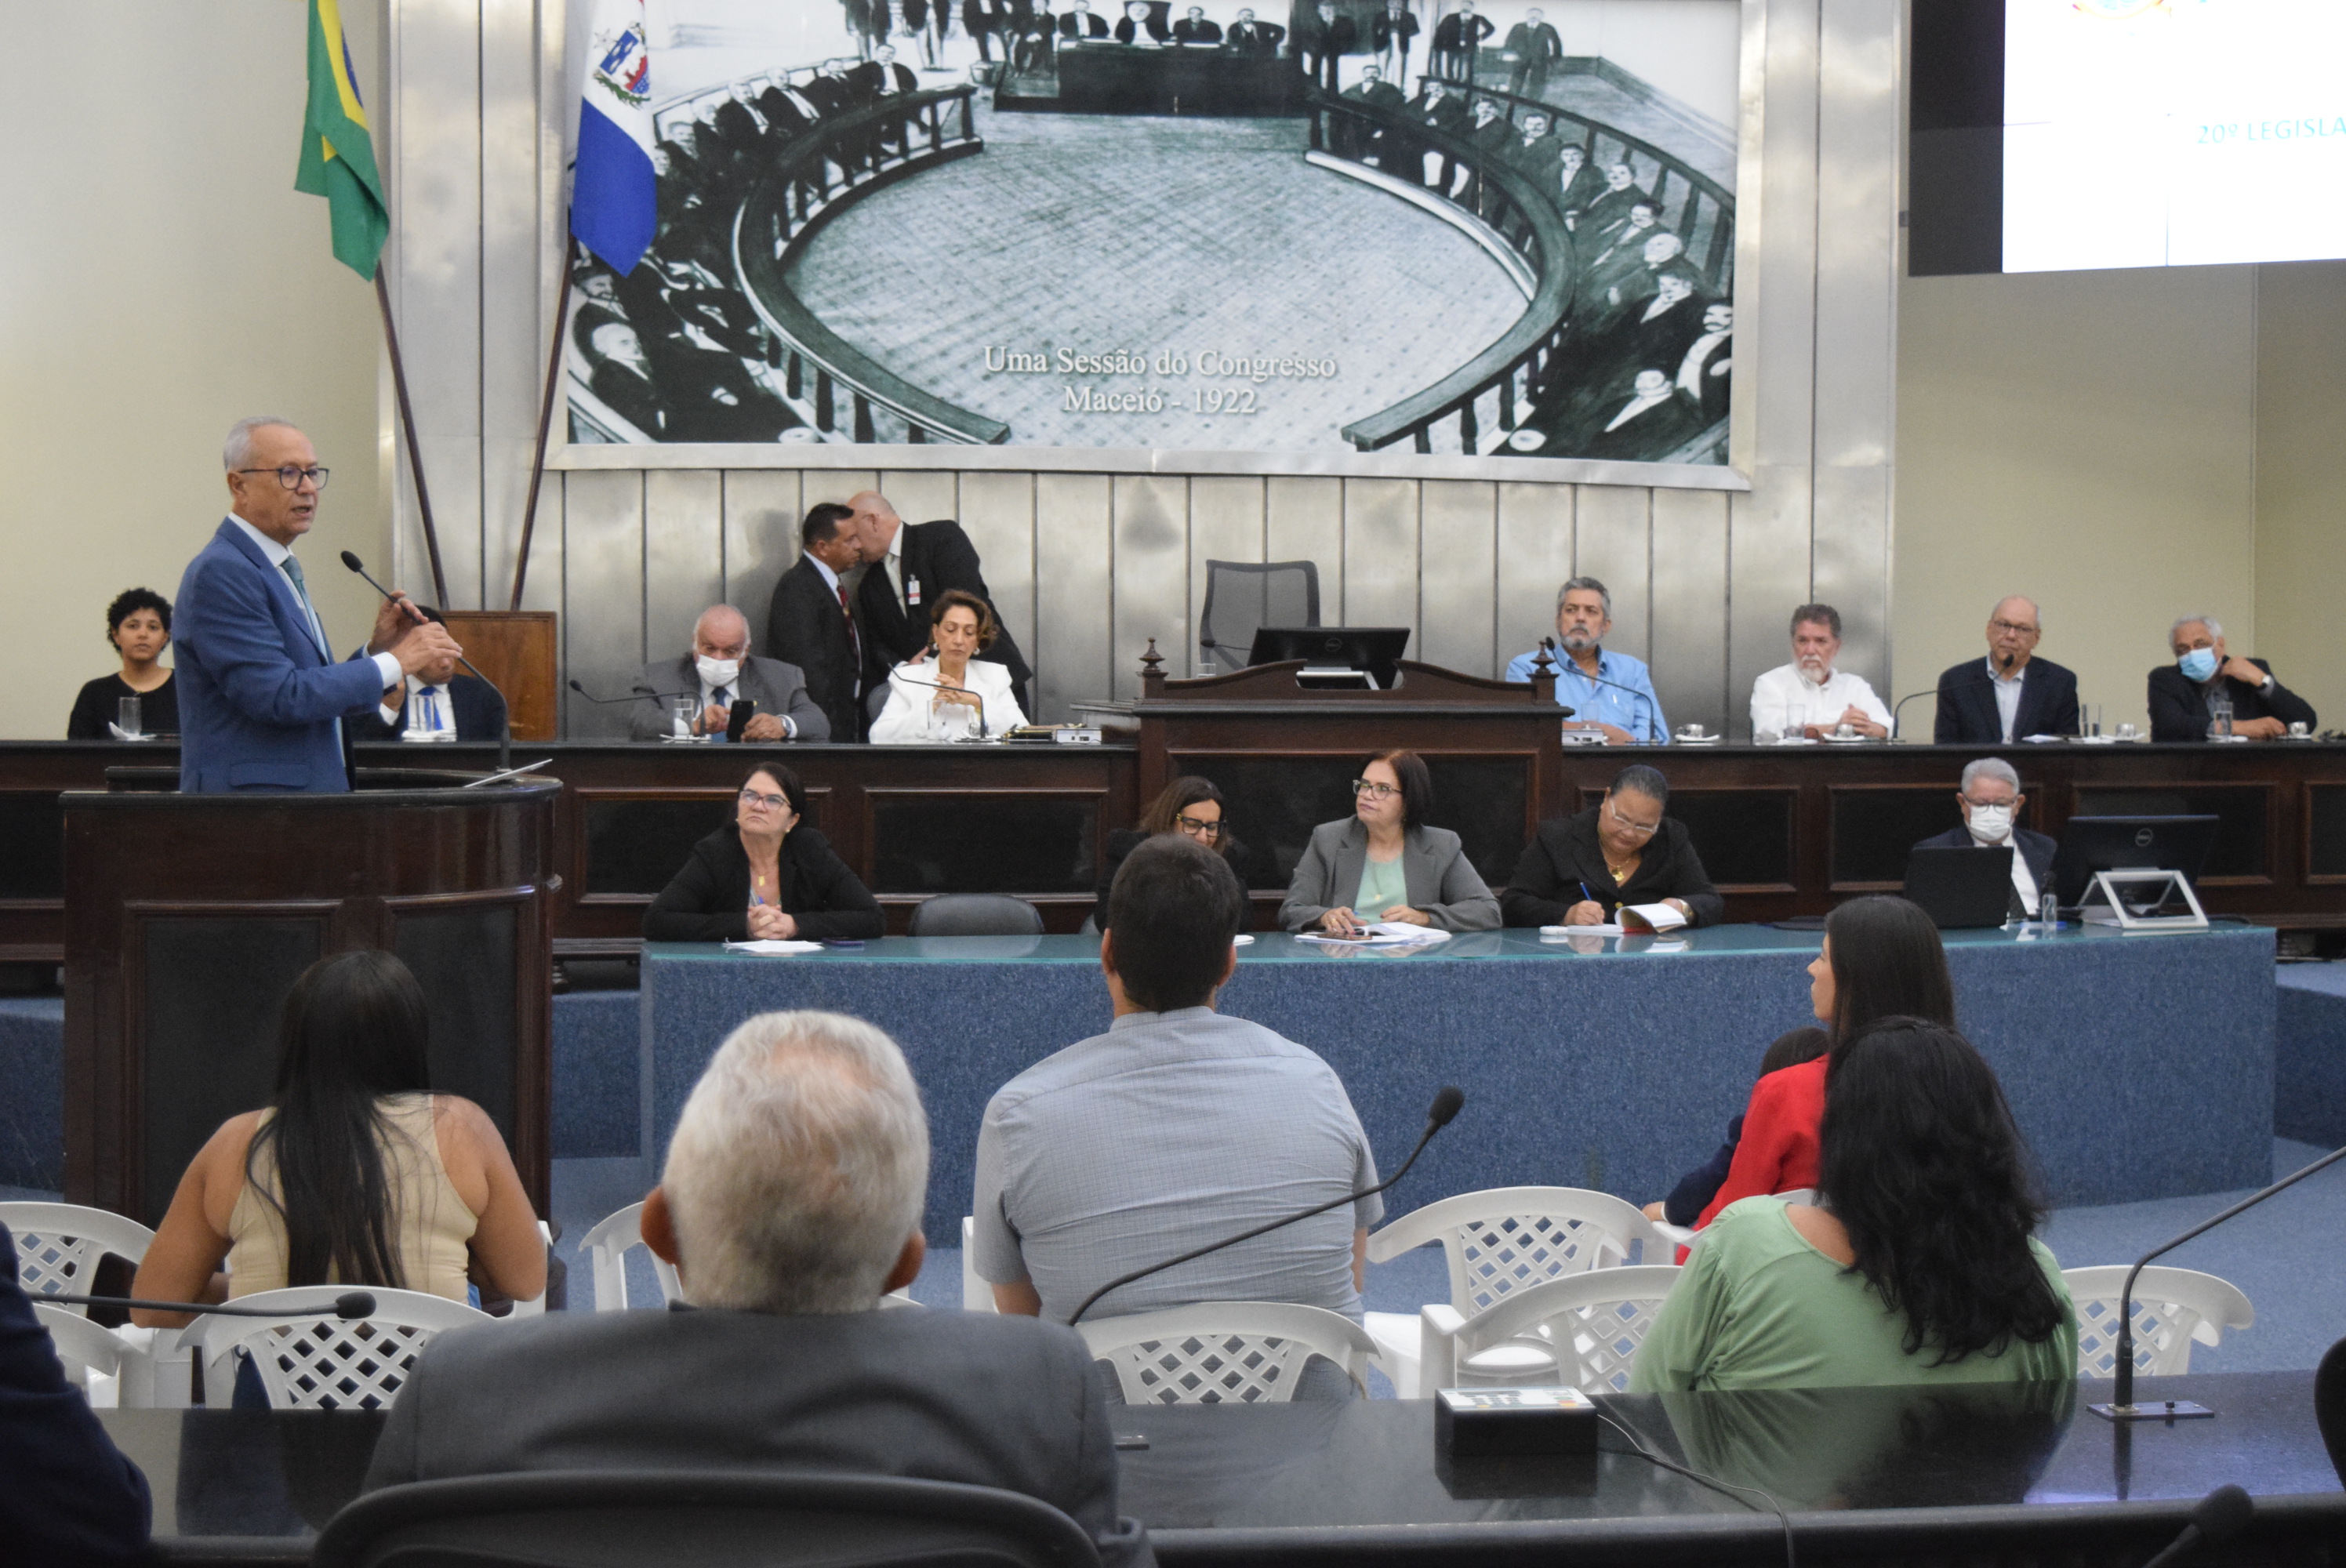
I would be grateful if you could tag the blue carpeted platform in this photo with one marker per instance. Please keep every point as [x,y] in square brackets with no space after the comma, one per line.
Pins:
[32,1092]
[2309,1054]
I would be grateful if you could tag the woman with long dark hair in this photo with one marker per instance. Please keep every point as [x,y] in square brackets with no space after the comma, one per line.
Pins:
[769,875]
[1918,1263]
[1881,959]
[1189,806]
[356,1173]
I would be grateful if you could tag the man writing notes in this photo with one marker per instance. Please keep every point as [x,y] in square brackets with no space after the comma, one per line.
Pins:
[1610,694]
[809,623]
[1809,696]
[1991,800]
[2010,695]
[910,564]
[718,672]
[261,698]
[2184,694]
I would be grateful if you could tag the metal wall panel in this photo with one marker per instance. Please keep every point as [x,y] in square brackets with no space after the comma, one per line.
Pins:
[513,316]
[544,588]
[1381,555]
[1783,390]
[603,596]
[920,495]
[1304,520]
[1458,549]
[1151,579]
[452,465]
[1073,611]
[684,554]
[821,485]
[1853,573]
[761,538]
[997,513]
[1225,523]
[1536,542]
[1688,641]
[1616,548]
[1768,576]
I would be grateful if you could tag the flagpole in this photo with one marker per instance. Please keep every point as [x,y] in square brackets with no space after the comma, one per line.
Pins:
[544,419]
[414,453]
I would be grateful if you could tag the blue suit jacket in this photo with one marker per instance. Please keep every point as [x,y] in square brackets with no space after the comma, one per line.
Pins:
[258,698]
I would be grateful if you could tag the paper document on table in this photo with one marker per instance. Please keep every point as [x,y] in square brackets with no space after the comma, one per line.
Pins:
[771,945]
[1640,918]
[1379,934]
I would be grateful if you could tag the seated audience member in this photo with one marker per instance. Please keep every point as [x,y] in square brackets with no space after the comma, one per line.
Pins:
[1177,1127]
[435,703]
[952,694]
[1643,423]
[1991,800]
[1583,617]
[1917,1264]
[2010,695]
[1705,374]
[2183,695]
[1578,183]
[1140,24]
[1258,40]
[790,1205]
[1610,209]
[1193,28]
[1583,870]
[1699,1186]
[1881,959]
[718,672]
[1809,696]
[138,624]
[1383,862]
[1189,806]
[1080,25]
[770,875]
[69,1495]
[355,1173]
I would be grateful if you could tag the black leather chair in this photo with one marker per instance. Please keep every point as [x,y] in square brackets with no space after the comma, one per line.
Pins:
[2329,1405]
[1244,596]
[654,1519]
[976,914]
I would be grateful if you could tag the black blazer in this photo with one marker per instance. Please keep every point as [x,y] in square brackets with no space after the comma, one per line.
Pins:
[708,900]
[94,709]
[1124,840]
[1967,717]
[805,627]
[1565,854]
[937,556]
[2178,710]
[478,711]
[2036,851]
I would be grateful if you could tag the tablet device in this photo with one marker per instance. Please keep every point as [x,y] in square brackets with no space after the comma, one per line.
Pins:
[1961,889]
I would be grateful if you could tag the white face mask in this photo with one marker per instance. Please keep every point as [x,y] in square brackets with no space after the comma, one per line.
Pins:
[1991,824]
[718,671]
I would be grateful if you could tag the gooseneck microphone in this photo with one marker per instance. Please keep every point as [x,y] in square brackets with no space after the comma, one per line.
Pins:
[2216,1519]
[1447,1102]
[633,692]
[1900,708]
[351,1305]
[1564,661]
[505,725]
[983,733]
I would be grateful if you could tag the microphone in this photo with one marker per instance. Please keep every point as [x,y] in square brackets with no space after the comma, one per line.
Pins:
[351,1305]
[1900,708]
[1564,664]
[633,692]
[504,725]
[1447,1102]
[937,686]
[2216,1519]
[2123,1408]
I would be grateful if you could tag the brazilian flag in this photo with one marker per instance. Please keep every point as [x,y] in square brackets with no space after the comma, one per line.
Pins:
[337,152]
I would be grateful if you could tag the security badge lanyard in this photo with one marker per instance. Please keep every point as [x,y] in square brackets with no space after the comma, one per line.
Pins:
[912,592]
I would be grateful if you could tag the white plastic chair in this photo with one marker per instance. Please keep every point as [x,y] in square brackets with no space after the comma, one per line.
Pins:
[1225,1352]
[2172,1307]
[1688,1238]
[58,1246]
[93,1357]
[976,1294]
[606,1246]
[1500,1241]
[316,1360]
[1582,1331]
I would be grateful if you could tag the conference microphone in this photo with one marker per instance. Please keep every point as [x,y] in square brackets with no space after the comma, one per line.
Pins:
[633,692]
[351,1305]
[1900,708]
[505,725]
[1447,1102]
[939,686]
[2216,1519]
[1567,663]
[2123,1408]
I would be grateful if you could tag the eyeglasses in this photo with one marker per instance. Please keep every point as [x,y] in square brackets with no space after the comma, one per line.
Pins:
[1379,791]
[1642,830]
[2014,627]
[290,477]
[751,798]
[1198,829]
[1986,805]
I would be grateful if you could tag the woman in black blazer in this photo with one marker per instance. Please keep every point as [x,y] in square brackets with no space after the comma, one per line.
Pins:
[1621,850]
[768,876]
[1191,807]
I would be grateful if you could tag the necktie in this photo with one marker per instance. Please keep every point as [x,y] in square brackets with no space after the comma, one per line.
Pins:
[722,697]
[429,699]
[853,640]
[302,591]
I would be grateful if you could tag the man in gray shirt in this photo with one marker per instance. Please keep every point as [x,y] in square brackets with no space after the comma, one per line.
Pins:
[1175,1128]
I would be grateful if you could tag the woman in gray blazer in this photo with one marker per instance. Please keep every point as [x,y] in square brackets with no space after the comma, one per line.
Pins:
[1383,863]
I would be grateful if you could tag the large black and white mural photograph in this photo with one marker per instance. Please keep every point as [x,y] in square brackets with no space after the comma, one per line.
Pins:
[1303,229]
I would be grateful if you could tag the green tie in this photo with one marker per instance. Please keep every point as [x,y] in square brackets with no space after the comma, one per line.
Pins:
[302,591]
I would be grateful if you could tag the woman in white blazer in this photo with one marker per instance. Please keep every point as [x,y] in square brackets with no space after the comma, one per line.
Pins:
[954,695]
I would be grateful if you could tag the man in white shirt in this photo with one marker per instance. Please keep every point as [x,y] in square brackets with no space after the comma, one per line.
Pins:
[1809,696]
[436,704]
[1991,800]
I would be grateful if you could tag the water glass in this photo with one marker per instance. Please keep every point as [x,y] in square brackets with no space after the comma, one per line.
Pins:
[2221,725]
[126,717]
[682,711]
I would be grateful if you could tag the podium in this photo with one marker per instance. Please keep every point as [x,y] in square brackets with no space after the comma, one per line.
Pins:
[187,918]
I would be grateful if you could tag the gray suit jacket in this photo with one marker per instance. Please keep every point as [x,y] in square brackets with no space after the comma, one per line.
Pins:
[985,1400]
[773,686]
[1441,882]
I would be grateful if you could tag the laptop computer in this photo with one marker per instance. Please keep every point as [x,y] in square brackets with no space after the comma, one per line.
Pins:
[1960,889]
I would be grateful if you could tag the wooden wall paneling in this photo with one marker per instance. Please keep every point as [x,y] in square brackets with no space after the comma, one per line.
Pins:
[684,554]
[1616,545]
[603,610]
[922,494]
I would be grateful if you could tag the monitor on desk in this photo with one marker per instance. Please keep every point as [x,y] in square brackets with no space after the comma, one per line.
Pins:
[2091,844]
[1372,649]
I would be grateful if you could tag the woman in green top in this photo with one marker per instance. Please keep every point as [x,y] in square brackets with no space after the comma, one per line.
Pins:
[1386,862]
[1919,1265]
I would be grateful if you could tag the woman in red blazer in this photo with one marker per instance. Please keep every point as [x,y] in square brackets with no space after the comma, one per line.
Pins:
[1881,959]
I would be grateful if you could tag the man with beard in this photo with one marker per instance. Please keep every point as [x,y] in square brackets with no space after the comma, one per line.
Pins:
[1809,696]
[1584,616]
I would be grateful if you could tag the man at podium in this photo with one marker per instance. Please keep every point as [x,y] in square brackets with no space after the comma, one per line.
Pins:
[262,699]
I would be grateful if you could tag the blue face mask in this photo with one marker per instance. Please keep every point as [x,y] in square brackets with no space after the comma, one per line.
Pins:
[2198,665]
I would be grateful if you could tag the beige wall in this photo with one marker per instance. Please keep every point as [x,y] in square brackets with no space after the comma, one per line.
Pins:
[163,279]
[2302,480]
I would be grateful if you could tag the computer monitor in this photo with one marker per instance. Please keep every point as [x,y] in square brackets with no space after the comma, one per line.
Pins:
[2091,844]
[1370,648]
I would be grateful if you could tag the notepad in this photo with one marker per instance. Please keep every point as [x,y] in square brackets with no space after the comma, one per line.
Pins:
[771,946]
[1640,918]
[1379,934]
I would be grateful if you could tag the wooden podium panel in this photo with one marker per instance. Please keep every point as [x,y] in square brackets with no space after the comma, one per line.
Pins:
[187,918]
[519,650]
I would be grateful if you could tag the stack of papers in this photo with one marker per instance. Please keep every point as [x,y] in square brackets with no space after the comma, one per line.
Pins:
[770,946]
[1380,933]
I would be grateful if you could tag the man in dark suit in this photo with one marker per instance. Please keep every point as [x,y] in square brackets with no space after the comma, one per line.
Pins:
[1390,33]
[261,698]
[1456,39]
[1257,40]
[1646,426]
[1706,371]
[983,21]
[809,625]
[1535,151]
[790,1205]
[1366,138]
[1532,48]
[1991,800]
[718,672]
[1194,28]
[2183,695]
[1079,24]
[2012,693]
[1323,38]
[435,703]
[907,567]
[1140,24]
[1443,112]
[1577,185]
[1610,210]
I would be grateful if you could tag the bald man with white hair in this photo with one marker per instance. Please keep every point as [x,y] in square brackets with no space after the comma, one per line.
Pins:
[908,565]
[718,672]
[2012,695]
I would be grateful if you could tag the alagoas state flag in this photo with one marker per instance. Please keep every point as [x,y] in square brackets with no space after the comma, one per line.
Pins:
[613,205]
[337,154]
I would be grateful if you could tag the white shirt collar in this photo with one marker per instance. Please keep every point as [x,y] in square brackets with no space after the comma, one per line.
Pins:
[1638,405]
[277,554]
[2014,678]
[829,576]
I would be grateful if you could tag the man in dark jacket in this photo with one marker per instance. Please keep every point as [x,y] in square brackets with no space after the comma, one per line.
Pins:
[810,624]
[2183,695]
[2012,693]
[1991,800]
[908,565]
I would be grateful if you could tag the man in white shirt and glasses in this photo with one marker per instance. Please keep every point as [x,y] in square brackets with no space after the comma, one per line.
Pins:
[1809,696]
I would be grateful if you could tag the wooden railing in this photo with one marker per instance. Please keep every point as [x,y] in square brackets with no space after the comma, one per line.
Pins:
[840,390]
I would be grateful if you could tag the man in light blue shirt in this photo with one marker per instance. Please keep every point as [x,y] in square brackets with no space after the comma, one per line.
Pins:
[1610,693]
